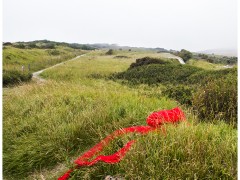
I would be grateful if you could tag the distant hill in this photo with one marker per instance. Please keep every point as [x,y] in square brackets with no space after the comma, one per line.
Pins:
[224,52]
[117,47]
[46,44]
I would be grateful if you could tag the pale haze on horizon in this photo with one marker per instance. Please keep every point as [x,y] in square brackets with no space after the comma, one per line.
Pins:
[172,24]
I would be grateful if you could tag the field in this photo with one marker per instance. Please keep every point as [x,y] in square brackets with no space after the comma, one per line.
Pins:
[46,126]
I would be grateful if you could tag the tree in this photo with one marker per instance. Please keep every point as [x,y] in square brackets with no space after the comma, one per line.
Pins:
[185,55]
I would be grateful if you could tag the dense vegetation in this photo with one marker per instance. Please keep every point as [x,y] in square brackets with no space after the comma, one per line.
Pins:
[110,52]
[146,61]
[216,58]
[184,54]
[217,100]
[155,73]
[212,93]
[46,126]
[15,77]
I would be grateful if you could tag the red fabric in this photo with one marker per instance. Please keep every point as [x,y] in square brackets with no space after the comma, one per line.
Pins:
[154,120]
[66,175]
[165,116]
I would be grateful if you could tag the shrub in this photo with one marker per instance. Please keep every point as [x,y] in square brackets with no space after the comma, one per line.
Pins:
[110,52]
[20,46]
[80,46]
[7,44]
[120,57]
[54,52]
[48,46]
[217,100]
[146,61]
[157,73]
[204,76]
[11,77]
[185,55]
[32,45]
[181,93]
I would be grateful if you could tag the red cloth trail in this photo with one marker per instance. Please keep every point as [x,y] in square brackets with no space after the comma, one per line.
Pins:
[154,121]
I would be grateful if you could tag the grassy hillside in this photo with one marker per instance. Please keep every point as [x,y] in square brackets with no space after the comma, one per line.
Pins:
[57,121]
[213,93]
[18,63]
[202,63]
[35,59]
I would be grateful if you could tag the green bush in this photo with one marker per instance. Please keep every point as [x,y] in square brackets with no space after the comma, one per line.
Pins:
[20,46]
[204,76]
[181,93]
[48,46]
[185,55]
[146,61]
[158,73]
[11,77]
[53,52]
[217,100]
[110,52]
[119,57]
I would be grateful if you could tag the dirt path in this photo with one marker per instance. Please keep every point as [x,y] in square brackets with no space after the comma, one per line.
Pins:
[168,55]
[179,59]
[39,79]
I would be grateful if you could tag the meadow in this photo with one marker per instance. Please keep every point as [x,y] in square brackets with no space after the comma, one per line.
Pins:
[46,126]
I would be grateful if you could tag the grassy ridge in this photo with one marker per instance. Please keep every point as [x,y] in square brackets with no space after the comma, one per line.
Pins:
[14,58]
[59,120]
[18,64]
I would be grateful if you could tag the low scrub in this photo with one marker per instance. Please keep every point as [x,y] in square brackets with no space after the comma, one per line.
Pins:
[15,77]
[217,100]
[121,57]
[202,77]
[155,73]
[146,61]
[213,93]
[110,52]
[182,93]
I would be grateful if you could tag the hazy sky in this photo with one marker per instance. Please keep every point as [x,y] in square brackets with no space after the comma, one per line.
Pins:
[171,24]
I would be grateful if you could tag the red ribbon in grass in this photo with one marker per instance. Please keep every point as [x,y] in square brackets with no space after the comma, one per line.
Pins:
[154,121]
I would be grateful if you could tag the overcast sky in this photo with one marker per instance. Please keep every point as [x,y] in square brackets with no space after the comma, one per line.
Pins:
[172,24]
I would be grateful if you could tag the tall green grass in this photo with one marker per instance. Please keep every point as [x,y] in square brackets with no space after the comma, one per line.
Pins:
[202,151]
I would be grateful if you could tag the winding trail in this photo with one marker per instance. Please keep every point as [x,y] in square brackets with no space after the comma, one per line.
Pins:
[179,59]
[39,79]
[168,55]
